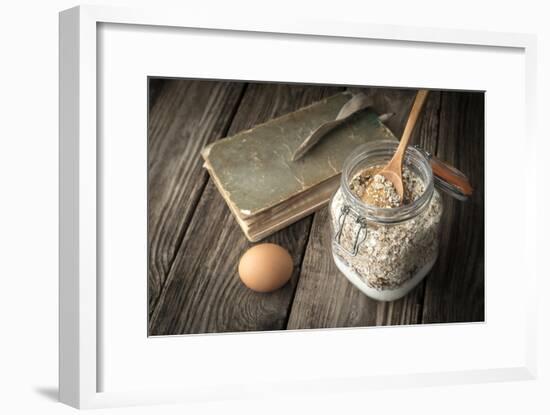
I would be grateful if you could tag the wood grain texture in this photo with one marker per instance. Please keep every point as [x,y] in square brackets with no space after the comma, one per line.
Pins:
[203,292]
[155,86]
[195,244]
[186,116]
[391,101]
[455,290]
[324,297]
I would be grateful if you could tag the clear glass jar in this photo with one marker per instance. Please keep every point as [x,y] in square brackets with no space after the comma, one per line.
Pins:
[385,252]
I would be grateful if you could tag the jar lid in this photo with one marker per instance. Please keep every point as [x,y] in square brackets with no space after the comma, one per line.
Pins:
[447,178]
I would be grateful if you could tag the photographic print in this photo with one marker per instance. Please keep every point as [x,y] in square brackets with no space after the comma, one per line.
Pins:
[276,206]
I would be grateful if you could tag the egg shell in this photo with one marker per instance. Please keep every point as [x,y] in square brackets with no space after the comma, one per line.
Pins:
[265,267]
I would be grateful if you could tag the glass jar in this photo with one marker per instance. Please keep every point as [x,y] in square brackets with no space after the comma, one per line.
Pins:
[385,252]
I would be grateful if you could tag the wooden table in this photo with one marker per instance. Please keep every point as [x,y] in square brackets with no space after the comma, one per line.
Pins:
[195,243]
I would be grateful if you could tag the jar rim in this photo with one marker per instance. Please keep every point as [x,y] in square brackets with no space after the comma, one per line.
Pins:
[387,215]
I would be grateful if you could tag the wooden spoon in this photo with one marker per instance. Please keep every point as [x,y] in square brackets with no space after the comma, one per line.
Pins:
[393,171]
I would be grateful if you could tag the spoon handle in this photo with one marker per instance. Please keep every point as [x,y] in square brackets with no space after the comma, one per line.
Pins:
[419,101]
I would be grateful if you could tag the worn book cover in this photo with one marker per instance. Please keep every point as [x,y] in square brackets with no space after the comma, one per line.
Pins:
[265,189]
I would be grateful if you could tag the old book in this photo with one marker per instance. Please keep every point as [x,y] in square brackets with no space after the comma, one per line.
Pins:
[264,189]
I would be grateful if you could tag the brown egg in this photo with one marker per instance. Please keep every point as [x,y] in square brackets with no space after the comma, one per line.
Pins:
[265,267]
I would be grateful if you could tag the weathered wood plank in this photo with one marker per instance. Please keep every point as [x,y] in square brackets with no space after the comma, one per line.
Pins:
[455,288]
[389,100]
[324,297]
[203,293]
[155,86]
[186,116]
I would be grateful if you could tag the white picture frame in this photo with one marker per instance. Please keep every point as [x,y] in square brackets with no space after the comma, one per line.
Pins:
[82,308]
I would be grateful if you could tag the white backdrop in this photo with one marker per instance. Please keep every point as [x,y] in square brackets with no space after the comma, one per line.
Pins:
[28,208]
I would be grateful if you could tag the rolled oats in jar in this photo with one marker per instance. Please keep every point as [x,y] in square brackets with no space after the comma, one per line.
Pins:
[383,245]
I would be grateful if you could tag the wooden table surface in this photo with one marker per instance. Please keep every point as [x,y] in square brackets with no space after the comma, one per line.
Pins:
[194,243]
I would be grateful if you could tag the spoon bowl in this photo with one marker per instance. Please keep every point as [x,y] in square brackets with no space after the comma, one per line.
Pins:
[393,171]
